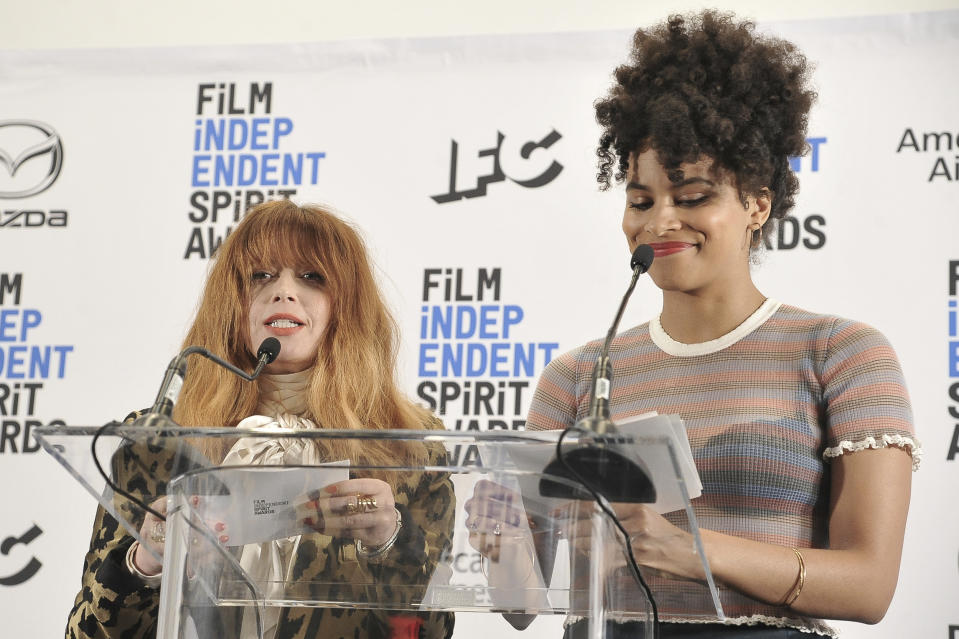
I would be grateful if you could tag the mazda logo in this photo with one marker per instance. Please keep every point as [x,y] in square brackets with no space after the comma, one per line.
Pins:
[31,155]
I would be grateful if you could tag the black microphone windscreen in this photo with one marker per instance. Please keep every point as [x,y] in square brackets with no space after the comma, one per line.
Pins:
[642,257]
[270,348]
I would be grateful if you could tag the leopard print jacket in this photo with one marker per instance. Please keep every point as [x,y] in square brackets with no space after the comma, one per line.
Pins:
[115,604]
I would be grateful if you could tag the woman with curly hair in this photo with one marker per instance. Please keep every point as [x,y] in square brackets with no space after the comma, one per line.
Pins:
[301,275]
[799,423]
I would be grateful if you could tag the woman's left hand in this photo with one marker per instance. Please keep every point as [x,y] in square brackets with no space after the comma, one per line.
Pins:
[361,509]
[659,544]
[656,543]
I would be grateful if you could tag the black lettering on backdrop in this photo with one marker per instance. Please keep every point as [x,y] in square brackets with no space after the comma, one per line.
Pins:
[32,566]
[203,246]
[11,429]
[486,280]
[496,174]
[13,394]
[551,172]
[954,413]
[474,397]
[941,169]
[207,206]
[225,95]
[12,285]
[943,141]
[20,218]
[933,142]
[791,232]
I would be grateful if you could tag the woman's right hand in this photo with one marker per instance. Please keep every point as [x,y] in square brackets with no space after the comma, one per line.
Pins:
[148,557]
[501,531]
[153,536]
[495,517]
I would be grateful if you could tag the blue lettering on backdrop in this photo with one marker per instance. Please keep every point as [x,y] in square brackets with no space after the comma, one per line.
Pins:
[478,357]
[218,161]
[795,163]
[484,359]
[953,343]
[22,360]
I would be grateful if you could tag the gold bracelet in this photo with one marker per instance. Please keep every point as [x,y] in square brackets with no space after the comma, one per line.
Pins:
[800,580]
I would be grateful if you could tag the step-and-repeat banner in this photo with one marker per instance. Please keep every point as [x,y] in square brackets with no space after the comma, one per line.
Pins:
[469,165]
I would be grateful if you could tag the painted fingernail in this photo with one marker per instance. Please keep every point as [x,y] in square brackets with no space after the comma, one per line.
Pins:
[224,539]
[196,501]
[331,489]
[220,526]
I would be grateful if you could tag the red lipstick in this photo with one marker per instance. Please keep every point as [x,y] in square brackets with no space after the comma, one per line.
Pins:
[662,249]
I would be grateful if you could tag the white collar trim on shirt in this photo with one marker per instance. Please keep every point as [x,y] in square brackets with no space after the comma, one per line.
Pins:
[678,349]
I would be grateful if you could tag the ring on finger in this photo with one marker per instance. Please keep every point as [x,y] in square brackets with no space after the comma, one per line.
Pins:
[497,529]
[366,503]
[158,532]
[352,505]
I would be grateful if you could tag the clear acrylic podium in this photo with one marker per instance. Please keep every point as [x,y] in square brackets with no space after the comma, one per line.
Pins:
[536,564]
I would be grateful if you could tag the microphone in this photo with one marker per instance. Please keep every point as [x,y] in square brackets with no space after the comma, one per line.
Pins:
[268,352]
[608,472]
[176,372]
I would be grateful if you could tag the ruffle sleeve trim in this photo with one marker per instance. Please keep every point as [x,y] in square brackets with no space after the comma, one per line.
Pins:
[909,444]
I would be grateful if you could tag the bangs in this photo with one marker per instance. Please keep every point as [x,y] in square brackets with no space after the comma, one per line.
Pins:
[283,238]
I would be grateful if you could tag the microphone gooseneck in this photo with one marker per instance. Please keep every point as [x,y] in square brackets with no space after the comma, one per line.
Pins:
[598,420]
[176,372]
[160,415]
[608,472]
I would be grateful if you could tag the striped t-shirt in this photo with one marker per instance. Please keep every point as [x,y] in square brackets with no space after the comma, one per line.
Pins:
[765,407]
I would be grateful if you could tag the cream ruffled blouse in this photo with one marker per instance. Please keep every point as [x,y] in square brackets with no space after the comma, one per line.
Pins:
[281,408]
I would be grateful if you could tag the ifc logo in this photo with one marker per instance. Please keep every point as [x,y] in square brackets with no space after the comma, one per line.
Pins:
[31,155]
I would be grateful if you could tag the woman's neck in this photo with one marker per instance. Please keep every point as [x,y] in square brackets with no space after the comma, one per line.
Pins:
[284,393]
[693,318]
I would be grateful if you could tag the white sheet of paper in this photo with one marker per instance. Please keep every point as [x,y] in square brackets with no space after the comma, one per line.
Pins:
[259,506]
[669,497]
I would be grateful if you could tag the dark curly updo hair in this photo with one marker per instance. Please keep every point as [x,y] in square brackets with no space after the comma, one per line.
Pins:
[707,85]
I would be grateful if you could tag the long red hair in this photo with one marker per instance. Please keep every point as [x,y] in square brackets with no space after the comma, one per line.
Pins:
[353,383]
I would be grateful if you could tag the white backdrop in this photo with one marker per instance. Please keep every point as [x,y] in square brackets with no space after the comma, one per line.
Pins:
[102,269]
